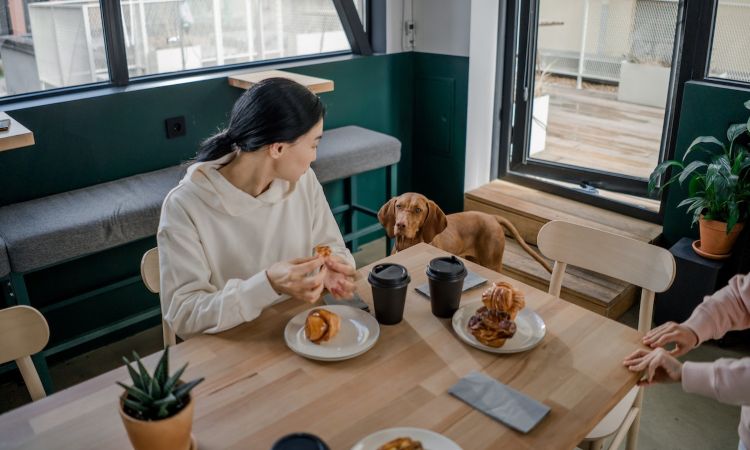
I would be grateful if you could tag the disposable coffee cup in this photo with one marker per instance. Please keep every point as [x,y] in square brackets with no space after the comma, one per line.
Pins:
[446,278]
[389,285]
[300,441]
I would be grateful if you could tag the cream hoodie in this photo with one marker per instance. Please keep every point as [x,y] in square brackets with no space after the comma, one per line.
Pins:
[216,242]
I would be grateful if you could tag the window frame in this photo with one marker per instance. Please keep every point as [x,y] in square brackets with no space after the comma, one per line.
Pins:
[114,45]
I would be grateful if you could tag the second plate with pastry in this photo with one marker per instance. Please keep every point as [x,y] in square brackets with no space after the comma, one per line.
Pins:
[529,330]
[331,333]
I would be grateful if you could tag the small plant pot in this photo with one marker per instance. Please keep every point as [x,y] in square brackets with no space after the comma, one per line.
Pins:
[172,433]
[714,237]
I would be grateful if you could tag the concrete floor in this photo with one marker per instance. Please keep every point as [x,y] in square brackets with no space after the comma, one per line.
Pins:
[671,418]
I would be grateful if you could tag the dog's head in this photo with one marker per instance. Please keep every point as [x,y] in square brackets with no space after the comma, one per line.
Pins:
[412,216]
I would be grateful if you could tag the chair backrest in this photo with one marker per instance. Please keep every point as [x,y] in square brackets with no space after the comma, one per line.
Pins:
[150,276]
[647,266]
[23,332]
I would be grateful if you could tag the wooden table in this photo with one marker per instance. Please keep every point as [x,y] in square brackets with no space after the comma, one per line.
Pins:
[257,390]
[245,80]
[16,136]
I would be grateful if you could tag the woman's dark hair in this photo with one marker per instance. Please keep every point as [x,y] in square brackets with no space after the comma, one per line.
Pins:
[273,110]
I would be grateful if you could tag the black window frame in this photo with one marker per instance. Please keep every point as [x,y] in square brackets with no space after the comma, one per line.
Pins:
[692,51]
[114,44]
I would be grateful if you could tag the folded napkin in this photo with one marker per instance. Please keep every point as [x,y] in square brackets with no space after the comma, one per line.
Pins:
[499,401]
[355,301]
[472,280]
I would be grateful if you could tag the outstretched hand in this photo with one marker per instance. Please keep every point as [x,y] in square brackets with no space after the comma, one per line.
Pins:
[683,338]
[659,366]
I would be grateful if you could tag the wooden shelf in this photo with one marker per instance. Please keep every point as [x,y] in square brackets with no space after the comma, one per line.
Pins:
[245,80]
[17,136]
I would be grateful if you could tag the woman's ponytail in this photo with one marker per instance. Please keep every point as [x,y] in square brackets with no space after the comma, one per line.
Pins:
[215,147]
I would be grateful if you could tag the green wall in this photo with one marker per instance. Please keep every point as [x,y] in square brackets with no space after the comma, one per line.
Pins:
[707,110]
[418,98]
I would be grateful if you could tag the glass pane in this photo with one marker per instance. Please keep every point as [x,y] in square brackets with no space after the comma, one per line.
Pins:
[50,44]
[730,55]
[172,35]
[602,77]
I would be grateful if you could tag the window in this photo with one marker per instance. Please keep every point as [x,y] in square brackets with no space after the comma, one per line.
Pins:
[48,44]
[730,54]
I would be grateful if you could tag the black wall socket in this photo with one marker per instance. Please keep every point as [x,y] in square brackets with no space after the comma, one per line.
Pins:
[175,127]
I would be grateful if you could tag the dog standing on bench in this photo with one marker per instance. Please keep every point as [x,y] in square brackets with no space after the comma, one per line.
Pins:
[412,218]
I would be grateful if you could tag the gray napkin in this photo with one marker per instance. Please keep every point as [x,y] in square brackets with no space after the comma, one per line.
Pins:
[355,301]
[472,280]
[500,402]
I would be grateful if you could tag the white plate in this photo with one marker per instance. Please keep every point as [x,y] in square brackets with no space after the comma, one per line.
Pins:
[429,439]
[359,332]
[530,330]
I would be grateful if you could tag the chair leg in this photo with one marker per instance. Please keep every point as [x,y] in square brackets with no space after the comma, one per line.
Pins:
[632,442]
[40,362]
[353,197]
[596,445]
[391,178]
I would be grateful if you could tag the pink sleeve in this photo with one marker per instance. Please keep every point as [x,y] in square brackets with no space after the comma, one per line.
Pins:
[726,380]
[728,309]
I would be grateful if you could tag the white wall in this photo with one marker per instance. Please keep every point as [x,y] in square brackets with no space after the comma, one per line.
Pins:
[482,68]
[442,26]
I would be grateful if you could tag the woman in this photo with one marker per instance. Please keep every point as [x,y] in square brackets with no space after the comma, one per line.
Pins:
[237,233]
[726,380]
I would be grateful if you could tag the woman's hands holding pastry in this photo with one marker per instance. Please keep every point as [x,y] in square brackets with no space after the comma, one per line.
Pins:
[340,276]
[297,279]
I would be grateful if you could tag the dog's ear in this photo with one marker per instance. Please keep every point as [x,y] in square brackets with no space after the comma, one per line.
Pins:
[434,223]
[387,217]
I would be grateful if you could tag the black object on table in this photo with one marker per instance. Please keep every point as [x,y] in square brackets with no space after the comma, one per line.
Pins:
[695,278]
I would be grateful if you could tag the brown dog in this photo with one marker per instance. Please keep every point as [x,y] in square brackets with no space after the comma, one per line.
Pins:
[412,218]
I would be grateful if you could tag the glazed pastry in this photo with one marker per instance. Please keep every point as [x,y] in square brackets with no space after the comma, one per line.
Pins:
[322,325]
[491,327]
[323,250]
[502,296]
[402,443]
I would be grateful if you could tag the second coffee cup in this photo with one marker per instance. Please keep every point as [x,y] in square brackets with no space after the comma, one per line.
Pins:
[389,284]
[446,278]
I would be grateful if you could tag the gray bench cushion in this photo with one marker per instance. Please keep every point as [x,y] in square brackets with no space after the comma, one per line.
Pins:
[347,151]
[52,229]
[4,263]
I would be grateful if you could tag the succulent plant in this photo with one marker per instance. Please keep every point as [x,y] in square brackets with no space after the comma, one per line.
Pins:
[158,396]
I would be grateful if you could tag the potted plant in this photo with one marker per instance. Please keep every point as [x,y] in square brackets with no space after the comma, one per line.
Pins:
[718,190]
[644,81]
[157,410]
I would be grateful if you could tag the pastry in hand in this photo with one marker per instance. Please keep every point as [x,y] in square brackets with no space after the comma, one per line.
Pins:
[491,327]
[323,250]
[322,325]
[503,296]
[402,443]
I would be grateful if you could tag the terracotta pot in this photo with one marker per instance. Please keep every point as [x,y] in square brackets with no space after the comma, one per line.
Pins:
[714,237]
[172,433]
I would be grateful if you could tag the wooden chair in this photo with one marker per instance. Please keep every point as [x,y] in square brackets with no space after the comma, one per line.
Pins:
[647,266]
[24,332]
[150,276]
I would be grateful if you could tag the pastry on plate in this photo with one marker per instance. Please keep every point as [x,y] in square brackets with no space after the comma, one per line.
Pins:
[402,443]
[491,327]
[322,325]
[503,296]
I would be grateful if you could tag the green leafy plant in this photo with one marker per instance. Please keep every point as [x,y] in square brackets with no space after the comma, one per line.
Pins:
[158,396]
[720,188]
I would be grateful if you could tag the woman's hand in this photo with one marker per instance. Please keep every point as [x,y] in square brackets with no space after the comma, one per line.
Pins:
[683,338]
[296,279]
[340,277]
[660,366]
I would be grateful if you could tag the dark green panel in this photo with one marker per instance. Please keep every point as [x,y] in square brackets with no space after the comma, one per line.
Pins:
[707,110]
[441,84]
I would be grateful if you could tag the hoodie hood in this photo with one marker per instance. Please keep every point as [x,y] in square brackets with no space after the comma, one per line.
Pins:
[204,180]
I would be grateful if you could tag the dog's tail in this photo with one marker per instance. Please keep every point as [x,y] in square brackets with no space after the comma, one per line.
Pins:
[509,226]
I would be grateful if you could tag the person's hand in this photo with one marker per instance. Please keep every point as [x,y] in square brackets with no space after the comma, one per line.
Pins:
[683,338]
[297,279]
[659,366]
[340,277]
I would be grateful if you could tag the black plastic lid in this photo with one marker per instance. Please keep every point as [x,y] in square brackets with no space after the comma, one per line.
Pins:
[446,268]
[389,276]
[300,441]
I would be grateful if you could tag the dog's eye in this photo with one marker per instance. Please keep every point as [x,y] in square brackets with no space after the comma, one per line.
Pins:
[398,206]
[417,210]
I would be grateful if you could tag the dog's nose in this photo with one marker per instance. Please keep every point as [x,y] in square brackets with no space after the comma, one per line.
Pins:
[400,225]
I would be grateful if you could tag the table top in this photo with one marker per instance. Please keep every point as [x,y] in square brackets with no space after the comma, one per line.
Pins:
[257,390]
[16,136]
[245,80]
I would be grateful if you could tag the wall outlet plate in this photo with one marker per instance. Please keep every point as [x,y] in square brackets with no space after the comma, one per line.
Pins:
[175,127]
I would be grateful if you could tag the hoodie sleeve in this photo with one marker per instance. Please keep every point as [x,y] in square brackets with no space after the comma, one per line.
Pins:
[727,309]
[325,229]
[726,380]
[190,303]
